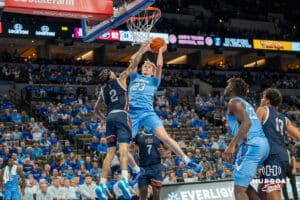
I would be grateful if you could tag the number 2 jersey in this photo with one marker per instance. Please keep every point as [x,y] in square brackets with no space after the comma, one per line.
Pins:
[274,127]
[115,96]
[141,91]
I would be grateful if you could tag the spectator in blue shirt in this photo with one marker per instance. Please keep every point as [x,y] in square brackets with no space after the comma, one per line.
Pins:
[83,129]
[1,150]
[27,135]
[173,98]
[15,116]
[46,150]
[36,150]
[221,142]
[43,108]
[67,149]
[95,172]
[6,116]
[94,144]
[92,123]
[196,122]
[45,140]
[70,173]
[36,172]
[74,131]
[102,146]
[77,120]
[53,139]
[201,134]
[181,168]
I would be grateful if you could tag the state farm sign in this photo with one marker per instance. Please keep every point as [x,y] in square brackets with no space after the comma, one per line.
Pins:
[79,9]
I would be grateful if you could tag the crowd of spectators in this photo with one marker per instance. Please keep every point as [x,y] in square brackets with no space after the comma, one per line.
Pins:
[46,144]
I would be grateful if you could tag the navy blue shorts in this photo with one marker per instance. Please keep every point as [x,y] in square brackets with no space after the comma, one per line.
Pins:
[273,175]
[118,128]
[152,176]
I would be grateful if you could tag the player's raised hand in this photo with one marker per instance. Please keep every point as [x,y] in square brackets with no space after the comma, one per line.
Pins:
[163,48]
[146,45]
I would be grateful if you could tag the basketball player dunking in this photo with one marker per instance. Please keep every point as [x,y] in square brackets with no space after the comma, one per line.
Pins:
[142,88]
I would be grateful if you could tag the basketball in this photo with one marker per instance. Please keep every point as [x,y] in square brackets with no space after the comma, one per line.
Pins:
[156,44]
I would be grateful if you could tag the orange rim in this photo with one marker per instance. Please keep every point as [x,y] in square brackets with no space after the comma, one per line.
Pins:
[154,9]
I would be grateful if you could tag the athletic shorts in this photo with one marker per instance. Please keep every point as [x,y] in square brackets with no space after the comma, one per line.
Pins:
[118,128]
[12,195]
[151,177]
[147,118]
[249,157]
[273,175]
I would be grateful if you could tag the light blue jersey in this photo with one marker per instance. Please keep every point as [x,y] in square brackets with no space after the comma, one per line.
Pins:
[252,151]
[141,93]
[12,187]
[255,130]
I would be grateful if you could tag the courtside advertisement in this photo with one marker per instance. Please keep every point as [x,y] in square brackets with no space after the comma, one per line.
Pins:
[217,190]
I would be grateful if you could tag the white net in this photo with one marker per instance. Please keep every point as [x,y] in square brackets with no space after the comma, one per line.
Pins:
[141,24]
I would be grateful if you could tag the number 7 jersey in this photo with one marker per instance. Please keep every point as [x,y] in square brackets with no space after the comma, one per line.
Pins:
[141,91]
[115,96]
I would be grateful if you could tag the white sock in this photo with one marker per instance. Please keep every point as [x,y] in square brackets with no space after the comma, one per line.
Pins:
[125,174]
[136,169]
[186,159]
[103,181]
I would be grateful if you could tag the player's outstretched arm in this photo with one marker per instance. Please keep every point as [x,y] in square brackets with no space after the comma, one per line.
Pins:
[160,61]
[135,59]
[292,130]
[97,108]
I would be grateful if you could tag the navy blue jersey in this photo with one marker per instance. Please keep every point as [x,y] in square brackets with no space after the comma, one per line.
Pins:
[115,96]
[274,127]
[149,146]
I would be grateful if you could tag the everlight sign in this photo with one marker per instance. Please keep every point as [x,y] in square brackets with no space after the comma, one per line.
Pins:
[198,191]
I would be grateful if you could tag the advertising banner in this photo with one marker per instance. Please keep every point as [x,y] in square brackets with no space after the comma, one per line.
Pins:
[194,40]
[126,36]
[272,45]
[45,31]
[111,35]
[119,35]
[16,29]
[237,43]
[296,46]
[78,9]
[216,190]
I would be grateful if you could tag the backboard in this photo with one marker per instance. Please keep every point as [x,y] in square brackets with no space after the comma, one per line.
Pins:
[120,16]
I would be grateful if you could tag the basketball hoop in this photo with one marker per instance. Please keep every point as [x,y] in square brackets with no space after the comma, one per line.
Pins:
[141,24]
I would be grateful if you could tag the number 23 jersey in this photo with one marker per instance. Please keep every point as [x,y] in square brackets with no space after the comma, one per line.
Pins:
[141,91]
